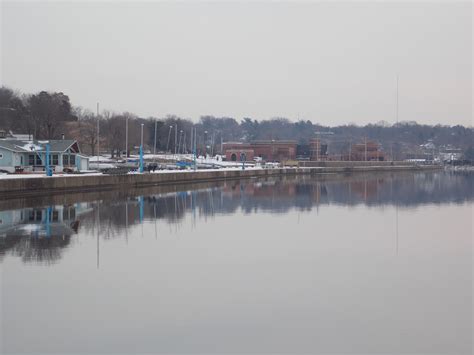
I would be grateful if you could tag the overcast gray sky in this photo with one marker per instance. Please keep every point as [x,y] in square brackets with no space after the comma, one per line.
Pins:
[332,63]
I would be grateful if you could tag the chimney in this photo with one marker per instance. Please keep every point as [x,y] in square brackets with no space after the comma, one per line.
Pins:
[62,136]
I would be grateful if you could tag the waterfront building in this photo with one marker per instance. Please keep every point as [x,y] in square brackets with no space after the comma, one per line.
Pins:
[268,150]
[367,151]
[19,155]
[317,150]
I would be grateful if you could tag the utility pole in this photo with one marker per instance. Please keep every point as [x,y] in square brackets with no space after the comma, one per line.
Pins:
[397,102]
[396,112]
[154,144]
[350,150]
[141,149]
[184,149]
[365,148]
[126,138]
[169,137]
[175,137]
[179,142]
[194,148]
[98,136]
[213,138]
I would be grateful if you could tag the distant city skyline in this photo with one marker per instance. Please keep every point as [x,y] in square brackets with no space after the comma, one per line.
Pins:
[331,63]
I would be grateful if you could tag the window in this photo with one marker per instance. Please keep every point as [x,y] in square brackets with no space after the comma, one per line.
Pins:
[38,160]
[54,159]
[65,159]
[31,159]
[72,159]
[21,160]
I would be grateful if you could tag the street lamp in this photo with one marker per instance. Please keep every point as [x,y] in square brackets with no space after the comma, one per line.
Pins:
[141,149]
[98,136]
[169,137]
[205,141]
[180,137]
[126,138]
[154,142]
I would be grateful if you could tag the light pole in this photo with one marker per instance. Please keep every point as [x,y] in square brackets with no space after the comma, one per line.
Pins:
[141,149]
[194,147]
[48,170]
[98,136]
[154,144]
[126,138]
[169,136]
[180,137]
[365,148]
[175,137]
[205,147]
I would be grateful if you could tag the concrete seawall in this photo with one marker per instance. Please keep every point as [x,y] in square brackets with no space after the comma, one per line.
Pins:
[17,187]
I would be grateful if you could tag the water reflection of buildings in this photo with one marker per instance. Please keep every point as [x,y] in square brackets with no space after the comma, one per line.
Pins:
[281,195]
[38,234]
[42,233]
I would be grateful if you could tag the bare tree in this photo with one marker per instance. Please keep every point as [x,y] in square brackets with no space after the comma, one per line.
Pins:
[49,112]
[88,130]
[115,133]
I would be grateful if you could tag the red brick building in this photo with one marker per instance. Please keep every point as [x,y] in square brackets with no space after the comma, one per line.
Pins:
[267,150]
[367,151]
[317,150]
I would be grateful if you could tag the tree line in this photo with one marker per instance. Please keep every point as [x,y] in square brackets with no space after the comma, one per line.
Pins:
[49,115]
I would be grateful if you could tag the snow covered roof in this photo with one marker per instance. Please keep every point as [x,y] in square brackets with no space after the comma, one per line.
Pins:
[23,146]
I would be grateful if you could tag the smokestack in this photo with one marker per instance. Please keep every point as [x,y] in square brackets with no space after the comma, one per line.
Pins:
[62,136]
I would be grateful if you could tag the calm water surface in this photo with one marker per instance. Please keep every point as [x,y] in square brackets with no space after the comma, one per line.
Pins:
[336,264]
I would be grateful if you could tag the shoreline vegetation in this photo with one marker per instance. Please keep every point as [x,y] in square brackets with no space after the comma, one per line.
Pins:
[49,115]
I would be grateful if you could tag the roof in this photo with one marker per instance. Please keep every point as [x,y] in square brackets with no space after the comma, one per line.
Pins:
[26,146]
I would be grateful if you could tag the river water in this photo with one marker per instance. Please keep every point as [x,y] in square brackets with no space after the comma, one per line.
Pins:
[333,264]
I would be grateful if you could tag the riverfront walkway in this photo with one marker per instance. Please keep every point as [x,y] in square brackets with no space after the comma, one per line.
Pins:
[20,187]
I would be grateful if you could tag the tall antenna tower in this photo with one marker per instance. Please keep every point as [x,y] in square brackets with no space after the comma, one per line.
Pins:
[397,102]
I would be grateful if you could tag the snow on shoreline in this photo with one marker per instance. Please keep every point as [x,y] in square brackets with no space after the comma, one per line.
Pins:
[184,171]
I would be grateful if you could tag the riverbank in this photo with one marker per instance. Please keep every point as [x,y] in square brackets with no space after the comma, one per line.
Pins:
[17,187]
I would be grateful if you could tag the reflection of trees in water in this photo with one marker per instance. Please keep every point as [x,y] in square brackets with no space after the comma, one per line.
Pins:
[281,195]
[33,249]
[276,195]
[37,234]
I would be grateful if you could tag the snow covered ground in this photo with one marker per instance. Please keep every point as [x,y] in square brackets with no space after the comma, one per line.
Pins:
[33,176]
[101,159]
[103,162]
[92,173]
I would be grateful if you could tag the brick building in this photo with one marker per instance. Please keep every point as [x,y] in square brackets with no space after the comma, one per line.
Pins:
[267,150]
[317,150]
[367,151]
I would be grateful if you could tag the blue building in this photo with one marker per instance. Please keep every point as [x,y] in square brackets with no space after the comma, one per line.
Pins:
[17,155]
